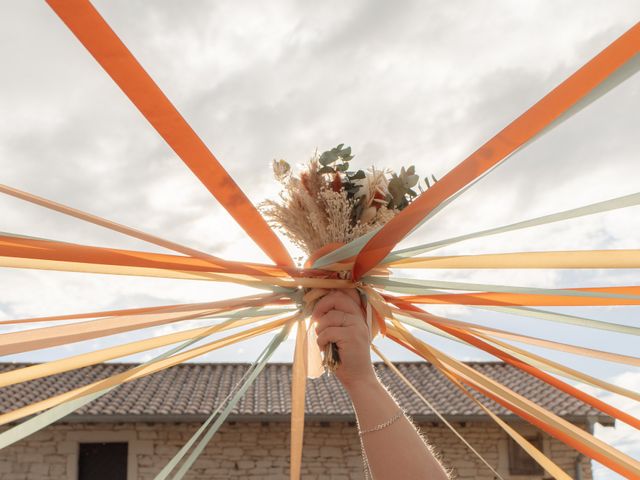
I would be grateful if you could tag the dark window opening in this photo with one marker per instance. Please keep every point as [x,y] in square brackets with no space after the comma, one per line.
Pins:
[520,462]
[102,461]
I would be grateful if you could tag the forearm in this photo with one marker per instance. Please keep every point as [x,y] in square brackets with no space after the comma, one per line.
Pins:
[395,451]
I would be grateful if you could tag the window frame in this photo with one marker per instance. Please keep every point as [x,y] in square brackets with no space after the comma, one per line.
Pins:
[526,430]
[513,448]
[87,435]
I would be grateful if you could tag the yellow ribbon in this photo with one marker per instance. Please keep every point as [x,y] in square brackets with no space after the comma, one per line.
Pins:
[614,458]
[298,394]
[138,372]
[540,342]
[92,358]
[568,259]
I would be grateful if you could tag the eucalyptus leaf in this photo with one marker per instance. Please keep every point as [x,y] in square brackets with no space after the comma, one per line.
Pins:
[326,169]
[412,180]
[397,190]
[328,157]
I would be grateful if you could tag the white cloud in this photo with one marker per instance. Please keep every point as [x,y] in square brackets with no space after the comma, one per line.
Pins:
[623,436]
[424,84]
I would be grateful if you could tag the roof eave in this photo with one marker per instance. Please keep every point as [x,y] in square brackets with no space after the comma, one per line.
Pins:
[603,420]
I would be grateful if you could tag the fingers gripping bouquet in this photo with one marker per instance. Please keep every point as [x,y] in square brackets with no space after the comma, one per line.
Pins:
[329,204]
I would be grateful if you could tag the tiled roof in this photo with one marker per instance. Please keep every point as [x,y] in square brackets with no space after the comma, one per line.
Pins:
[193,390]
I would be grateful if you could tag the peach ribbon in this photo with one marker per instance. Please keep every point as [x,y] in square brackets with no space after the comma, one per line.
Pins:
[86,23]
[138,372]
[559,384]
[179,307]
[531,359]
[562,369]
[545,420]
[54,367]
[521,354]
[96,220]
[432,355]
[564,347]
[46,337]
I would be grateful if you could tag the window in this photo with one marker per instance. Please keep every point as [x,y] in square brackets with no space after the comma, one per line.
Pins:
[103,461]
[520,463]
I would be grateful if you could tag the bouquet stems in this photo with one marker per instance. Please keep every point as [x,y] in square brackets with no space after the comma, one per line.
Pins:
[331,357]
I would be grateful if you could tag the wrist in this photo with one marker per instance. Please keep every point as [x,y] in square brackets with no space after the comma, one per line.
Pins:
[361,384]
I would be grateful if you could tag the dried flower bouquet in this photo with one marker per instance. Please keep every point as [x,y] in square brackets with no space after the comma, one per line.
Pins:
[329,203]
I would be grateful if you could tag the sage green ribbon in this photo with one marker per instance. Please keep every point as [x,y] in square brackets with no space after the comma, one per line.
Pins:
[207,432]
[552,316]
[416,286]
[599,207]
[54,414]
[352,248]
[349,250]
[426,327]
[616,78]
[563,318]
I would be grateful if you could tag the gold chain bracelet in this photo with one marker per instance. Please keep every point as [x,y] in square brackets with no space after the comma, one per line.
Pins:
[367,468]
[396,417]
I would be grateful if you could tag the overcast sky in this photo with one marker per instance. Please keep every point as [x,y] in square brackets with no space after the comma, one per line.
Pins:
[403,83]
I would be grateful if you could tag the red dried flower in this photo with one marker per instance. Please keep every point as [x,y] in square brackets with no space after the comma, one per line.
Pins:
[336,184]
[379,196]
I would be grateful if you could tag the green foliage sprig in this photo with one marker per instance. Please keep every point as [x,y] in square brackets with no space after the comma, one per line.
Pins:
[400,187]
[329,201]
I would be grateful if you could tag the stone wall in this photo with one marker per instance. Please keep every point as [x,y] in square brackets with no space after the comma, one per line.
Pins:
[257,451]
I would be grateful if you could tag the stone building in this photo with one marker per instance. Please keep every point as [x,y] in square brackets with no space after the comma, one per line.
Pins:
[134,430]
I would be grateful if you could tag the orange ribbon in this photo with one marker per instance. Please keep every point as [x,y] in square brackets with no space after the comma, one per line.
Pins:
[21,247]
[506,142]
[101,41]
[551,380]
[528,299]
[95,34]
[521,406]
